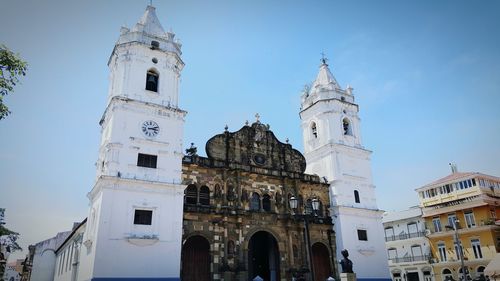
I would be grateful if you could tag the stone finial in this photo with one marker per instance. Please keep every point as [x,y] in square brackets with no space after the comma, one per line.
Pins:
[246,123]
[257,116]
[225,128]
[192,151]
[287,140]
[349,89]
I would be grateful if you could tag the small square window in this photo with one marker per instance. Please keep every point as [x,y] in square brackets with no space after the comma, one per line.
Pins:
[143,217]
[362,235]
[146,160]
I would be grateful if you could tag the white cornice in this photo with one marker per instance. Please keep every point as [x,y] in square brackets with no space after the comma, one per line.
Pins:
[125,184]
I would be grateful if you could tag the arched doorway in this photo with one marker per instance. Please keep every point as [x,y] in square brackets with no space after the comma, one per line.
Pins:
[196,259]
[321,262]
[263,257]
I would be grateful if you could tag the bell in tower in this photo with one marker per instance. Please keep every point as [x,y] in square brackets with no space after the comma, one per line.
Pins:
[152,81]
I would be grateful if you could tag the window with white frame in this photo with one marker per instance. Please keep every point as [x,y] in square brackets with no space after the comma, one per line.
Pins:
[416,252]
[356,196]
[144,217]
[437,224]
[480,271]
[389,233]
[476,248]
[446,274]
[451,219]
[442,252]
[412,229]
[392,253]
[427,275]
[314,130]
[346,126]
[469,219]
[458,249]
[362,235]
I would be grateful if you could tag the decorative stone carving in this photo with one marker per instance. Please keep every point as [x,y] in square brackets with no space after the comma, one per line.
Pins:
[255,145]
[217,192]
[231,195]
[279,199]
[244,195]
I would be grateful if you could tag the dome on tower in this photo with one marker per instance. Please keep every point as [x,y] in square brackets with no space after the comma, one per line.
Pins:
[324,79]
[150,24]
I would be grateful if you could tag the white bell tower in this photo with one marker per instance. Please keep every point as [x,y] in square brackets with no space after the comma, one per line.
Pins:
[134,226]
[333,150]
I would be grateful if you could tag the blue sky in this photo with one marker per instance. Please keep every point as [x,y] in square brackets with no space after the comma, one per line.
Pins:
[426,75]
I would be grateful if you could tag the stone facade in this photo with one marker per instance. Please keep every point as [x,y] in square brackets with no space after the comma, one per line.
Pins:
[250,176]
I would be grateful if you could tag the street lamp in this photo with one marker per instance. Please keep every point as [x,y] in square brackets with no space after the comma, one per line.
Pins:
[306,217]
[459,245]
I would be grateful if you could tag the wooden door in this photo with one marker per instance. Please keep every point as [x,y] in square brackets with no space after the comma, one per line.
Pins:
[321,262]
[196,259]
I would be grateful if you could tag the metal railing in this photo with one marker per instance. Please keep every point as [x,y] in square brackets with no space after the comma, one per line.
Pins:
[403,236]
[410,259]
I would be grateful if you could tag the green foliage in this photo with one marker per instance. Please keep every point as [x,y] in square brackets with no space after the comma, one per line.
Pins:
[8,237]
[11,68]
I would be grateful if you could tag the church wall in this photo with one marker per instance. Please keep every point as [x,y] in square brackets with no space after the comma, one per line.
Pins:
[130,63]
[348,221]
[232,220]
[121,243]
[124,142]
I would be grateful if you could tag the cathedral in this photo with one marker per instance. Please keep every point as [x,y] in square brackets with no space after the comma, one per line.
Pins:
[253,207]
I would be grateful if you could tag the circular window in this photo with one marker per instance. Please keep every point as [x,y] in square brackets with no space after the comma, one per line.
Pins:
[259,159]
[154,60]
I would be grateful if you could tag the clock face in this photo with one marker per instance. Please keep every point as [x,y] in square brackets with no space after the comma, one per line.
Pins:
[150,128]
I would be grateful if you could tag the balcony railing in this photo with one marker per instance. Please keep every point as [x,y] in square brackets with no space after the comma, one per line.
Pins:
[410,259]
[403,236]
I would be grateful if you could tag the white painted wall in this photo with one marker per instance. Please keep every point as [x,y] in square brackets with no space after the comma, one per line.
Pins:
[44,258]
[119,244]
[113,246]
[67,259]
[399,221]
[369,257]
[346,164]
[123,140]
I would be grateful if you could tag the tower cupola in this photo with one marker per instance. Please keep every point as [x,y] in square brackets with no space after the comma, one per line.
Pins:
[146,63]
[148,30]
[325,87]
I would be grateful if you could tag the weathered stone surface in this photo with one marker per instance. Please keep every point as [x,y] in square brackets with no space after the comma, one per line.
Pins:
[229,222]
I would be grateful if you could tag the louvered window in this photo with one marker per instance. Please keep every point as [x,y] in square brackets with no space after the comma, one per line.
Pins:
[204,196]
[191,195]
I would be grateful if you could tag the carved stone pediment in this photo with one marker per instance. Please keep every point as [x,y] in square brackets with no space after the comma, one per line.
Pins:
[257,146]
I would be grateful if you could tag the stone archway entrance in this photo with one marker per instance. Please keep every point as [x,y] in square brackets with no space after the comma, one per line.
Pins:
[196,259]
[321,262]
[263,257]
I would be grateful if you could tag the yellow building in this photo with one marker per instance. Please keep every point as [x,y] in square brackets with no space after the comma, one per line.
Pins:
[470,200]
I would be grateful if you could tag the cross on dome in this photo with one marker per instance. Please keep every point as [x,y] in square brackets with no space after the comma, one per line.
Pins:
[257,116]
